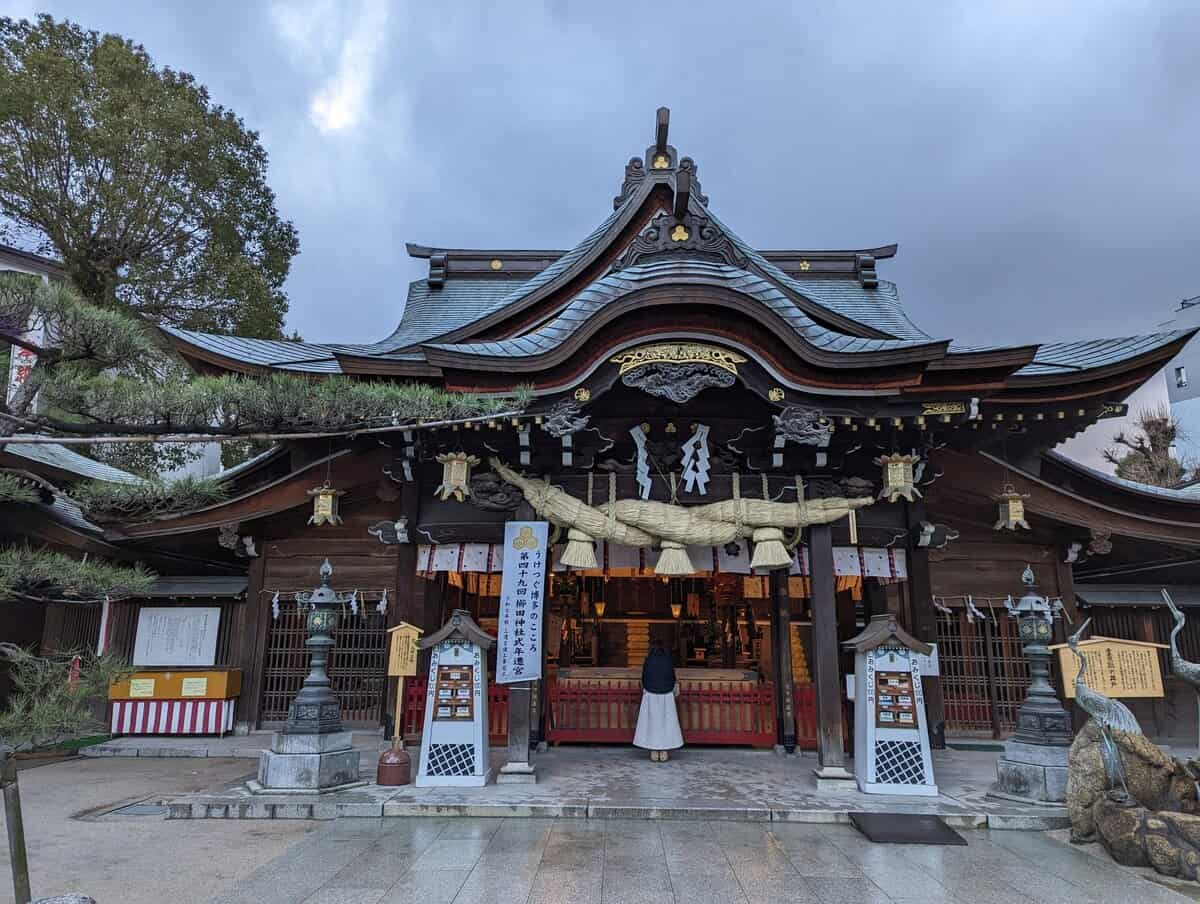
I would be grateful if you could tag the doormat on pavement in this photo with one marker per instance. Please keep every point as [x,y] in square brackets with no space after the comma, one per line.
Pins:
[905,828]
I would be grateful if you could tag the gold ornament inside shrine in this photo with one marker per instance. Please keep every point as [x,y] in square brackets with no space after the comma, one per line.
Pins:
[899,481]
[325,505]
[456,475]
[1010,509]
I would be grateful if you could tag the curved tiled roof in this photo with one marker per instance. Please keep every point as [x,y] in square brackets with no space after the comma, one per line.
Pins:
[1187,494]
[877,308]
[616,285]
[1070,357]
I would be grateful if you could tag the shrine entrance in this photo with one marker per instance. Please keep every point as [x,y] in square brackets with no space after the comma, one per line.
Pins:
[723,625]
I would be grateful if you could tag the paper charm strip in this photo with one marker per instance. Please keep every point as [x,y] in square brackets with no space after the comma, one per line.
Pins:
[643,462]
[695,461]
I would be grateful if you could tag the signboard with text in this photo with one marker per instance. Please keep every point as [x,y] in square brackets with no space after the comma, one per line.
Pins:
[1115,668]
[522,590]
[176,636]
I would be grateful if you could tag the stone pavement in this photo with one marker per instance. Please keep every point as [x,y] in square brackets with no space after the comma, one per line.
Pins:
[615,782]
[579,861]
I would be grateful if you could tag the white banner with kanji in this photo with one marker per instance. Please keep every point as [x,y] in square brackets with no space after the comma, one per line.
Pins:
[522,603]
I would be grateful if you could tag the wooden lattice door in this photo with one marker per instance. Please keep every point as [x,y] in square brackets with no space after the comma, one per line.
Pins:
[357,666]
[984,673]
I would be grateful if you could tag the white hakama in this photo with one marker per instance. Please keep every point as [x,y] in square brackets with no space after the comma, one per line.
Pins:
[658,723]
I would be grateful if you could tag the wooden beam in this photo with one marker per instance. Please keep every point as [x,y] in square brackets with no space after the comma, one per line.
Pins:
[662,125]
[781,640]
[831,744]
[683,192]
[924,626]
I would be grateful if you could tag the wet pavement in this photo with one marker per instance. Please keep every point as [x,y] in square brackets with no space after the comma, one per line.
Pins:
[581,861]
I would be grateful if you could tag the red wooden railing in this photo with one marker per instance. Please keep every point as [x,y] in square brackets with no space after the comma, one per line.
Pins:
[804,697]
[712,713]
[805,700]
[414,710]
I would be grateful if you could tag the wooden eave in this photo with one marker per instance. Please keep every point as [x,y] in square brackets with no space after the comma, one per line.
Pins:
[1010,358]
[687,293]
[356,364]
[974,475]
[1152,359]
[346,467]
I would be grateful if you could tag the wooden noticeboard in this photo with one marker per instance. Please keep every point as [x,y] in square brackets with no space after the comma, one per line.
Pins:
[1115,668]
[402,651]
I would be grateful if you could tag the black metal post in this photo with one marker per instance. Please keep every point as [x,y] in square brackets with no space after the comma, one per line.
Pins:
[17,854]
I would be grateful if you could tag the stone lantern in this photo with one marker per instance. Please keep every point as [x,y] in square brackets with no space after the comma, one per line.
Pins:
[313,753]
[1034,765]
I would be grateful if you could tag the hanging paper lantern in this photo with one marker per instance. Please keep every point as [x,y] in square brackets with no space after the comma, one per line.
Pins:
[898,477]
[1010,509]
[325,505]
[599,606]
[676,610]
[456,475]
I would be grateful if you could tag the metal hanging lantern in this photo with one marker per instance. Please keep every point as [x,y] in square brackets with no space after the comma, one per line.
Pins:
[1010,509]
[456,475]
[676,610]
[899,477]
[325,505]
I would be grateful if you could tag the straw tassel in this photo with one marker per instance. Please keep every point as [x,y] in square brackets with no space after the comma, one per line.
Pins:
[580,551]
[769,551]
[673,561]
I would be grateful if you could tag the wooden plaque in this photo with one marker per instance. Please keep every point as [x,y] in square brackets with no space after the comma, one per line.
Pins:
[402,650]
[1115,668]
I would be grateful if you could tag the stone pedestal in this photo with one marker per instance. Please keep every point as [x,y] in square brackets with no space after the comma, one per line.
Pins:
[1032,773]
[308,764]
[516,774]
[835,778]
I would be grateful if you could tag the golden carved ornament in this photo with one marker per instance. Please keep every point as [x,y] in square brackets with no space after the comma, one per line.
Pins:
[661,162]
[805,265]
[776,394]
[677,353]
[943,408]
[679,234]
[583,394]
[496,263]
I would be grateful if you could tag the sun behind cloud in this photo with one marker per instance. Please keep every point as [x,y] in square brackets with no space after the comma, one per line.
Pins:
[340,46]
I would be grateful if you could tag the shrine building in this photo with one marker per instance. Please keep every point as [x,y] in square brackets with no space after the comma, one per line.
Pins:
[671,362]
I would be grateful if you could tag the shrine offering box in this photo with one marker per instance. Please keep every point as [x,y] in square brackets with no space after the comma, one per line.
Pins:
[175,701]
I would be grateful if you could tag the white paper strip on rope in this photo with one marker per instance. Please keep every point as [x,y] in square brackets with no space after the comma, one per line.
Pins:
[847,560]
[476,556]
[519,638]
[446,557]
[878,563]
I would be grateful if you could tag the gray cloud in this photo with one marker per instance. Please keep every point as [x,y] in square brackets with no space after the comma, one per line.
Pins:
[1035,161]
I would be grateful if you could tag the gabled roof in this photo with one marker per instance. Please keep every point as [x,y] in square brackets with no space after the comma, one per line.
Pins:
[615,286]
[475,306]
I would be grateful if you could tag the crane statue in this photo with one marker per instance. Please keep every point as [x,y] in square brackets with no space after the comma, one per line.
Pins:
[1108,714]
[1187,671]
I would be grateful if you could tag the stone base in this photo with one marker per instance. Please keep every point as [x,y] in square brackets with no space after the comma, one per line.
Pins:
[516,774]
[1031,773]
[309,763]
[834,778]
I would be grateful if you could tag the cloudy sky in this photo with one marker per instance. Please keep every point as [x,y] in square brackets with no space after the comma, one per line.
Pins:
[1036,161]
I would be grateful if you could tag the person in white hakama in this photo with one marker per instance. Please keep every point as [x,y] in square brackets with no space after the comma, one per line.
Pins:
[658,721]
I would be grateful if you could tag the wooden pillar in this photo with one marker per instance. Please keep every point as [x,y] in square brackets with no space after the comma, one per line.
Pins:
[251,643]
[781,638]
[924,624]
[875,601]
[831,751]
[407,602]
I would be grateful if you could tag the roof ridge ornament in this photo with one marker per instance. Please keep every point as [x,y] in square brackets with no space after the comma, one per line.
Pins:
[661,157]
[691,235]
